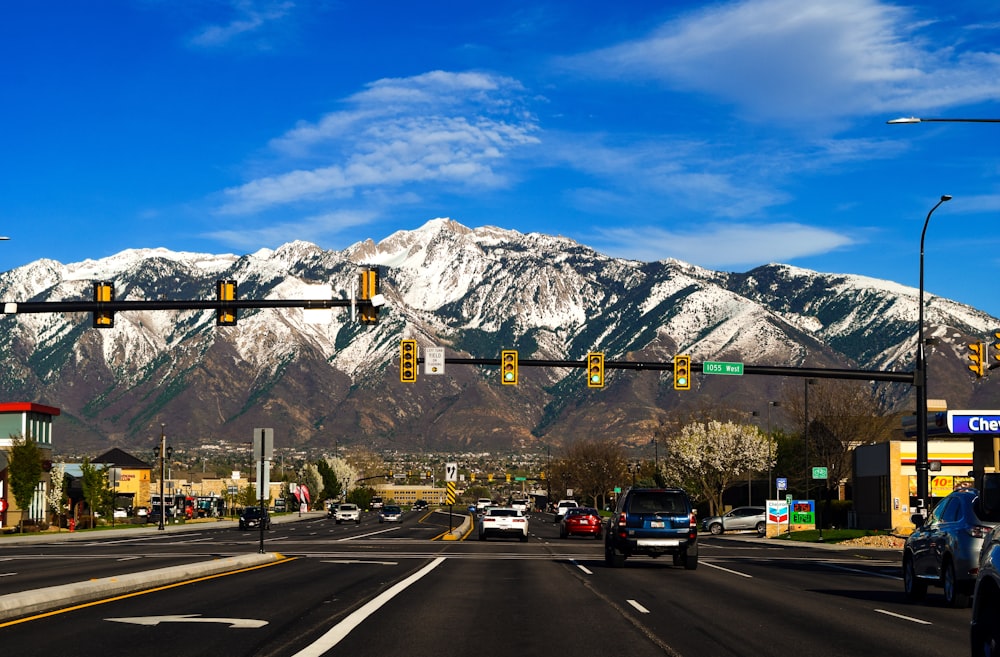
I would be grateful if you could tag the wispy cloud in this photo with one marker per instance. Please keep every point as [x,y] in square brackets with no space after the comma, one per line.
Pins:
[250,17]
[803,61]
[315,228]
[723,245]
[450,129]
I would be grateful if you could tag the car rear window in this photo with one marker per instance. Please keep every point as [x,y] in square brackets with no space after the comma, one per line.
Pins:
[657,502]
[504,512]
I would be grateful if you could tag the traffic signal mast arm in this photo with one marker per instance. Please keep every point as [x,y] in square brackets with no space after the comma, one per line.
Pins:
[16,307]
[811,372]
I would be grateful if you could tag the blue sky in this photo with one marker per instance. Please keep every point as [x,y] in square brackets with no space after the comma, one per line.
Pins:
[725,134]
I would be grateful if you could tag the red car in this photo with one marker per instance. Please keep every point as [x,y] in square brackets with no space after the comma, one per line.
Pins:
[580,521]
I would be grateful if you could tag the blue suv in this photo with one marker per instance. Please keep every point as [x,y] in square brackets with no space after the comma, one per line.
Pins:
[652,522]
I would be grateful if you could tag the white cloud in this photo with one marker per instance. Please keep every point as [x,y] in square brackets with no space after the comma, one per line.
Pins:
[804,60]
[314,229]
[722,245]
[451,129]
[251,17]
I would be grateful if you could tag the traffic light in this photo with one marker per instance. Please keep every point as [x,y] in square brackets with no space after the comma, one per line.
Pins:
[996,343]
[977,354]
[408,361]
[682,372]
[508,367]
[225,291]
[104,292]
[508,477]
[369,289]
[595,370]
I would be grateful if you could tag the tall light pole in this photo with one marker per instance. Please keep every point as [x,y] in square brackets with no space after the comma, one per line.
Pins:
[807,383]
[920,380]
[914,119]
[750,472]
[163,471]
[769,458]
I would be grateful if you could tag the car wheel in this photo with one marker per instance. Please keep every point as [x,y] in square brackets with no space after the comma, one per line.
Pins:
[562,533]
[358,521]
[689,561]
[716,528]
[985,633]
[613,557]
[914,587]
[524,538]
[482,536]
[761,528]
[954,593]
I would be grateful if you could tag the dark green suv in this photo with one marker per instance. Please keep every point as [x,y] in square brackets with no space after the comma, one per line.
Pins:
[652,522]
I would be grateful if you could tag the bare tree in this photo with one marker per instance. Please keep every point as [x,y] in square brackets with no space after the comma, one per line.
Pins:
[842,415]
[591,468]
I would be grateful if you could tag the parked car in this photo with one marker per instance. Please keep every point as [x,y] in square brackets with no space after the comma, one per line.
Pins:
[419,505]
[985,627]
[944,549]
[347,512]
[561,508]
[652,522]
[580,521]
[984,631]
[390,513]
[251,518]
[503,521]
[742,517]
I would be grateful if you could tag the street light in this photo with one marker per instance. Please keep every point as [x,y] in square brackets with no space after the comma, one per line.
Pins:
[164,453]
[769,458]
[750,472]
[807,383]
[914,119]
[920,380]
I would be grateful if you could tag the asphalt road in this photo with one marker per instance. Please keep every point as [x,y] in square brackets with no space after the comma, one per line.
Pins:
[374,589]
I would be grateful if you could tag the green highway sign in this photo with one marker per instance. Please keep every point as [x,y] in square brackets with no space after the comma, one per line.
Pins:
[819,473]
[715,367]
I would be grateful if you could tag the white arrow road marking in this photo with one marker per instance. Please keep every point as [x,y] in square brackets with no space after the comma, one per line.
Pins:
[241,623]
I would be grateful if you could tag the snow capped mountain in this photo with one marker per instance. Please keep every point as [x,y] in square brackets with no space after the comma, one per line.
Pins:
[473,291]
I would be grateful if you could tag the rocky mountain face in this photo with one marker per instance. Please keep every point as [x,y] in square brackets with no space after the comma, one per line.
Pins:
[473,292]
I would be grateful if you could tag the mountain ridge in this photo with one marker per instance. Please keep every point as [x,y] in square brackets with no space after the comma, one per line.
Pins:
[473,291]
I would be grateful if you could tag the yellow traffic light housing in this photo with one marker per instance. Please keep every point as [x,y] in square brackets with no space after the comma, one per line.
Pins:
[996,343]
[977,354]
[508,367]
[104,292]
[408,361]
[595,370]
[368,313]
[682,372]
[225,291]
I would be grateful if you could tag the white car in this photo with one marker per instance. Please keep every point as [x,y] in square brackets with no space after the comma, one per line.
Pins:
[483,503]
[347,512]
[520,504]
[562,506]
[503,521]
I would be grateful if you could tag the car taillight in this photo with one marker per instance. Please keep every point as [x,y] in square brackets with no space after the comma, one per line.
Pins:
[621,520]
[978,531]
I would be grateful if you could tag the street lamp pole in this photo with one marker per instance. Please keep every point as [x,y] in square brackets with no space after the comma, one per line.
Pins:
[914,119]
[920,379]
[807,383]
[163,447]
[770,469]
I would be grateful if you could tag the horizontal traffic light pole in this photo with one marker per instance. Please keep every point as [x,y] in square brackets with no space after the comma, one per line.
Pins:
[17,307]
[811,372]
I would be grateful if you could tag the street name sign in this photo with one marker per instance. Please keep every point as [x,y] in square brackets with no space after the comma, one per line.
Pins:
[718,367]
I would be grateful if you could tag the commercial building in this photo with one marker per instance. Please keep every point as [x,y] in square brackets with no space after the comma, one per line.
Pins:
[21,420]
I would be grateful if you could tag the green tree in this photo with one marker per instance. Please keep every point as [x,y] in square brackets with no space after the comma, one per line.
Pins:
[24,471]
[331,485]
[707,457]
[96,491]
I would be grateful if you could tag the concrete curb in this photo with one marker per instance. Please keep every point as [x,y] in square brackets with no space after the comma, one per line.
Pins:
[26,603]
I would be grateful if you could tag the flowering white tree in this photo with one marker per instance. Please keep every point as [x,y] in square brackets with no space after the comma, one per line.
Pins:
[57,493]
[708,457]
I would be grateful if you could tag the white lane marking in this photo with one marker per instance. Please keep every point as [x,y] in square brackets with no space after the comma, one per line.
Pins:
[127,558]
[581,567]
[638,607]
[7,574]
[240,623]
[731,572]
[907,618]
[381,531]
[337,633]
[355,561]
[861,572]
